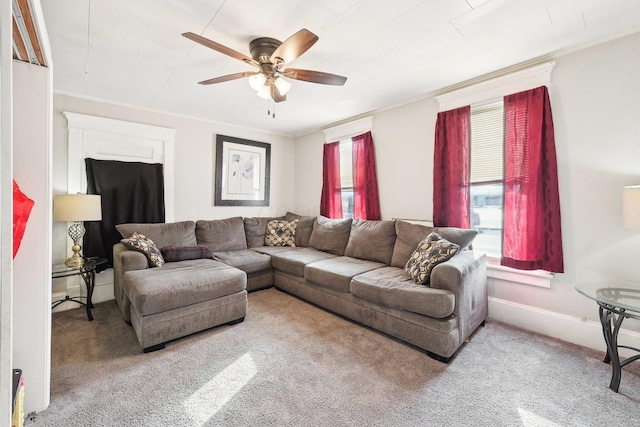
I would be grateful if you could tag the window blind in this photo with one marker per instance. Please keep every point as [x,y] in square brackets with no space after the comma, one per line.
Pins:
[487,136]
[346,163]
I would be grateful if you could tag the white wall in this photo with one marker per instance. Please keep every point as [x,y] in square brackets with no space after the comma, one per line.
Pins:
[32,264]
[596,114]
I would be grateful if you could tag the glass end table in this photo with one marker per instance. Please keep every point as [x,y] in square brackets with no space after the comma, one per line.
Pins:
[88,273]
[616,303]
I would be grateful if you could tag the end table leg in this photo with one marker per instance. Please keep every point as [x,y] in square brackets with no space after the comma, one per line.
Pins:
[610,328]
[89,280]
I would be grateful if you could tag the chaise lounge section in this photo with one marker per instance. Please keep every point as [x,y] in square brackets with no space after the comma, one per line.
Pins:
[354,268]
[178,298]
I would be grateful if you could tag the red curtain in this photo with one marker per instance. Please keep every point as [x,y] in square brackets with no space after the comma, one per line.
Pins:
[331,198]
[532,238]
[365,180]
[22,206]
[451,168]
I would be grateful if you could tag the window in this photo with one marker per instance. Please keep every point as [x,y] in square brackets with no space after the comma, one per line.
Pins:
[346,177]
[531,237]
[349,179]
[487,174]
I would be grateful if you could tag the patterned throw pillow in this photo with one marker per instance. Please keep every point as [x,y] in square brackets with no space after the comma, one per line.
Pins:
[183,253]
[432,251]
[141,243]
[281,233]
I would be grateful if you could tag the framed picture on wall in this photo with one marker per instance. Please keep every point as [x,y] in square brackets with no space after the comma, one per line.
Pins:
[243,169]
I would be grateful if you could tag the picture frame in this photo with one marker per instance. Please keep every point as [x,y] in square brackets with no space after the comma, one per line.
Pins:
[242,172]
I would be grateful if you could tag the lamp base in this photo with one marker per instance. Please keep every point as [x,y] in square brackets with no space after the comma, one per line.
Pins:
[76,260]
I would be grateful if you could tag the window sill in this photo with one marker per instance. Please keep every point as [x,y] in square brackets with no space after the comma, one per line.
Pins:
[501,273]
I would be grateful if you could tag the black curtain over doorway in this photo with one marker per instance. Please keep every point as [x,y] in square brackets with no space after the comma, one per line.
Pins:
[131,192]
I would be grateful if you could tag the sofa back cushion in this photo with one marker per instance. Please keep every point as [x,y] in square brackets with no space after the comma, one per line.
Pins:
[255,229]
[462,237]
[330,235]
[163,234]
[304,229]
[221,235]
[372,240]
[409,235]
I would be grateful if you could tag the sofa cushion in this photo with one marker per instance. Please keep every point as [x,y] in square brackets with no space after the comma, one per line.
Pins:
[271,250]
[304,230]
[255,229]
[393,288]
[409,235]
[372,240]
[246,260]
[336,273]
[163,234]
[330,235]
[462,237]
[184,253]
[432,251]
[293,261]
[141,243]
[281,233]
[222,235]
[179,284]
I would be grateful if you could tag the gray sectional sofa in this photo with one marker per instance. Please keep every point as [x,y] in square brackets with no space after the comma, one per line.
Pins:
[354,268]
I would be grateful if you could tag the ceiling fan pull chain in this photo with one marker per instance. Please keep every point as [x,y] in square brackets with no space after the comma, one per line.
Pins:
[271,108]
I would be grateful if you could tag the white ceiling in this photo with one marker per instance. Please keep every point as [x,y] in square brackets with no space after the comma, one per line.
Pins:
[391,51]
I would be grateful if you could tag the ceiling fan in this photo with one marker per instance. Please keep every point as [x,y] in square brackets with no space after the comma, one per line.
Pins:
[270,56]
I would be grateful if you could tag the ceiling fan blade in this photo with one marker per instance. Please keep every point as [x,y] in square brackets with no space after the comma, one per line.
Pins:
[314,76]
[220,48]
[227,78]
[294,46]
[275,94]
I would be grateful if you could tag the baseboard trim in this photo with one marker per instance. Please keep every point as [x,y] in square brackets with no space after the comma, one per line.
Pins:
[572,329]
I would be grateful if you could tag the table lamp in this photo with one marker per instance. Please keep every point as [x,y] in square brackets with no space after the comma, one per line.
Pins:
[76,208]
[631,206]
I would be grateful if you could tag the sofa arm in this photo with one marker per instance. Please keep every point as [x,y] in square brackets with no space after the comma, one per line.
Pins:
[125,260]
[466,276]
[128,260]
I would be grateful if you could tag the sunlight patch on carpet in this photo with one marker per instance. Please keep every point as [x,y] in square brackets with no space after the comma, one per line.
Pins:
[212,396]
[529,419]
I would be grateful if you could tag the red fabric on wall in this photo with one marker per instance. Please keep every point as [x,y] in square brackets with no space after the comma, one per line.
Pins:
[532,238]
[366,204]
[451,168]
[331,198]
[22,206]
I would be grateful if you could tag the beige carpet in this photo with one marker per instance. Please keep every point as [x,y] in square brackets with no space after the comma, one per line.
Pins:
[293,364]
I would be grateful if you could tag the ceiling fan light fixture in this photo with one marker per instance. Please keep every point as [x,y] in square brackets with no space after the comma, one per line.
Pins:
[264,92]
[257,81]
[282,85]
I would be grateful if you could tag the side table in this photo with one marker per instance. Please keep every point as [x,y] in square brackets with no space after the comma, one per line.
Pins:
[88,274]
[616,303]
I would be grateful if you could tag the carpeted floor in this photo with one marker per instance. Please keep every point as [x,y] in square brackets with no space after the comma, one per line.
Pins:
[292,364]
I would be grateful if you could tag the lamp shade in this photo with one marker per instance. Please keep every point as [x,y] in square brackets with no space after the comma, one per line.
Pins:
[631,206]
[282,85]
[257,81]
[77,207]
